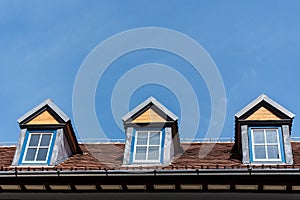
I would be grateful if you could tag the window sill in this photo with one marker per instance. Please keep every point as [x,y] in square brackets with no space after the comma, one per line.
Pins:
[143,165]
[32,165]
[268,163]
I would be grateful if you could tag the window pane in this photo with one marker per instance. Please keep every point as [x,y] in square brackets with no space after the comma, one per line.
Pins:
[154,138]
[45,140]
[260,152]
[140,153]
[142,138]
[30,154]
[153,153]
[271,135]
[34,139]
[42,154]
[258,136]
[273,152]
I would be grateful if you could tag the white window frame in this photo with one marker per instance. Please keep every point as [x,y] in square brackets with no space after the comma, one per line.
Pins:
[147,146]
[266,144]
[37,147]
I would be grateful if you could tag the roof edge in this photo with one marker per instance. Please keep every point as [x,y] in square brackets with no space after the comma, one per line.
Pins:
[265,98]
[47,102]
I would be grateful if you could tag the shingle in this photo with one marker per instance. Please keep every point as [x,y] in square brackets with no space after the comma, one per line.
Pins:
[6,156]
[110,156]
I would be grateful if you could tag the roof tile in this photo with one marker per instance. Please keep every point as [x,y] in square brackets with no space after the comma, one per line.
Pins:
[110,156]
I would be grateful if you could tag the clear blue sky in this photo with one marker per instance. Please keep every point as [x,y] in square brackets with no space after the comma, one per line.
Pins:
[255,45]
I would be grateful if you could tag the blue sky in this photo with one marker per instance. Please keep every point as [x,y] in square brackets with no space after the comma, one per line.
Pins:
[255,45]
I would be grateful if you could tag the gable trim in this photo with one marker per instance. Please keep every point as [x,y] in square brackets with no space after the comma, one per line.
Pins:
[148,101]
[41,108]
[266,99]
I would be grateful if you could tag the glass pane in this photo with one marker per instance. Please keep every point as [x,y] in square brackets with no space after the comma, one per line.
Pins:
[154,138]
[30,154]
[34,139]
[271,135]
[260,152]
[142,138]
[273,152]
[258,136]
[140,153]
[45,140]
[153,153]
[42,154]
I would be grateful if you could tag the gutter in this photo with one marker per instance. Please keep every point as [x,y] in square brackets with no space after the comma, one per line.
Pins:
[230,180]
[111,173]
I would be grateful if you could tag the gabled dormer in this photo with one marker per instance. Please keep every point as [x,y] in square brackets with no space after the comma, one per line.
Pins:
[151,134]
[46,138]
[263,130]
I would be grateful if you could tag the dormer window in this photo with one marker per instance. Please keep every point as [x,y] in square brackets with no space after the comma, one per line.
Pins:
[151,134]
[46,138]
[263,131]
[148,146]
[38,147]
[266,144]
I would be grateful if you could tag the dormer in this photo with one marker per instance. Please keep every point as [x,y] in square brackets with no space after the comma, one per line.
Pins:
[151,134]
[263,130]
[46,137]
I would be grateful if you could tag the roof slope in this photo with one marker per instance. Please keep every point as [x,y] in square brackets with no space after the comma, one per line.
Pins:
[110,156]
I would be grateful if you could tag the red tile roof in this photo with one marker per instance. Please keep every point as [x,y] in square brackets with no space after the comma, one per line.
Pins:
[110,156]
[6,156]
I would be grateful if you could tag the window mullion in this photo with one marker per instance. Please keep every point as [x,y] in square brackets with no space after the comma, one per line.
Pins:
[38,147]
[147,147]
[48,147]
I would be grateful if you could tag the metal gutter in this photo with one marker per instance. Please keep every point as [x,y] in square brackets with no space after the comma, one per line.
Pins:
[196,172]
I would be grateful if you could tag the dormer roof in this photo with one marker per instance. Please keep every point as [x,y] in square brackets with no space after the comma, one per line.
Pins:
[46,112]
[270,105]
[150,107]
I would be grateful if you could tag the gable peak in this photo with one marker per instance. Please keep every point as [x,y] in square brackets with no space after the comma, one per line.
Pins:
[263,98]
[47,105]
[141,107]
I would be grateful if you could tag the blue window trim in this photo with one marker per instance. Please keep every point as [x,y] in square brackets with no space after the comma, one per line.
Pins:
[28,132]
[162,145]
[281,143]
[132,146]
[147,129]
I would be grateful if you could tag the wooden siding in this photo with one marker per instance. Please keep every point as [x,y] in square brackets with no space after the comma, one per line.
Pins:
[263,114]
[149,116]
[44,118]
